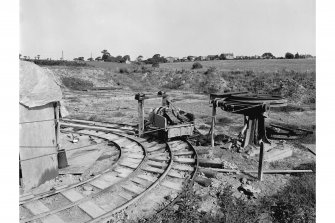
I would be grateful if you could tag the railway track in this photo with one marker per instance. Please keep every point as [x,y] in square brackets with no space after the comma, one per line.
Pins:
[146,174]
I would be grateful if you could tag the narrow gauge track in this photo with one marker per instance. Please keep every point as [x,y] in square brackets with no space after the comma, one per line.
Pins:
[142,166]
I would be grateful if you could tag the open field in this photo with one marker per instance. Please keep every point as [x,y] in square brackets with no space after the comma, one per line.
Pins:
[301,65]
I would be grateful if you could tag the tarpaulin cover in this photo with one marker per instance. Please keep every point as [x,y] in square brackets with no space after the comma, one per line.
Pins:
[38,85]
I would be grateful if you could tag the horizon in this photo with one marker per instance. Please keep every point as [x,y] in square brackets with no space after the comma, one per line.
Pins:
[169,28]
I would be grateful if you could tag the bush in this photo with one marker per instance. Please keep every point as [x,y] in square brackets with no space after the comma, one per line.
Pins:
[296,203]
[155,65]
[196,65]
[59,63]
[76,83]
[210,70]
[124,70]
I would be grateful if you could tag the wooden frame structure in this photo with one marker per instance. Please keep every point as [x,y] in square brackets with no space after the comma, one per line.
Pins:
[254,108]
[159,121]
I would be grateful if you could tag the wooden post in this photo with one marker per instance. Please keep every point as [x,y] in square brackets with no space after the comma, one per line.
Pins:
[260,165]
[57,111]
[164,100]
[140,117]
[213,123]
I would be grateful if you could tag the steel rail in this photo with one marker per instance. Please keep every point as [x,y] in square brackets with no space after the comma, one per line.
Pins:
[152,186]
[191,179]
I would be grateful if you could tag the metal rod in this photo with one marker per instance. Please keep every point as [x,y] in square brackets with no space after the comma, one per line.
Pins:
[260,164]
[256,171]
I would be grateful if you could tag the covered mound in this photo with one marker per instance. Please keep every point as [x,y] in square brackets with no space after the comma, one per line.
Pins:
[38,85]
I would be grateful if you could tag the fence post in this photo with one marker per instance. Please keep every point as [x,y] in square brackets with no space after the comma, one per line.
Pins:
[261,159]
[213,123]
[140,117]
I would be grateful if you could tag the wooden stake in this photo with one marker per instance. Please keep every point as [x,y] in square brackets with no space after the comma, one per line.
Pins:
[140,117]
[57,111]
[213,123]
[260,165]
[164,100]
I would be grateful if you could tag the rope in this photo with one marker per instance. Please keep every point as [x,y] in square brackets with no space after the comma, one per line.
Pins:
[46,120]
[80,147]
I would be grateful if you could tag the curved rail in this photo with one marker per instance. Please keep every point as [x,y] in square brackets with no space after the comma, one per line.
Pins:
[158,178]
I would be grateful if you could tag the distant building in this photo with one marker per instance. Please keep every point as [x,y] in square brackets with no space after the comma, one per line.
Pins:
[171,59]
[211,57]
[229,56]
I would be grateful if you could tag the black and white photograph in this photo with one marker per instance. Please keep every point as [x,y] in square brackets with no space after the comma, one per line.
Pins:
[166,111]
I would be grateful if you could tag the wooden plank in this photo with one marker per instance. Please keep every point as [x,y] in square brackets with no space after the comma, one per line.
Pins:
[159,158]
[92,209]
[72,195]
[156,147]
[37,139]
[105,181]
[130,165]
[176,174]
[153,169]
[135,155]
[36,207]
[210,163]
[125,195]
[184,160]
[172,185]
[120,141]
[183,167]
[178,146]
[133,188]
[160,165]
[141,181]
[183,153]
[147,177]
[148,145]
[52,219]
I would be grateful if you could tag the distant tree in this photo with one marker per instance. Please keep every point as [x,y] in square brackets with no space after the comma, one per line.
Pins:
[119,59]
[38,56]
[75,59]
[267,56]
[156,56]
[125,58]
[90,59]
[98,59]
[297,56]
[25,57]
[289,55]
[105,55]
[81,58]
[139,58]
[222,56]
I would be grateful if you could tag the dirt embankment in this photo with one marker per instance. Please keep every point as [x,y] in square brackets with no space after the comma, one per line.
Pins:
[297,86]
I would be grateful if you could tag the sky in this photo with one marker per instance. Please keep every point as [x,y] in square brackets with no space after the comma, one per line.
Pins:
[168,27]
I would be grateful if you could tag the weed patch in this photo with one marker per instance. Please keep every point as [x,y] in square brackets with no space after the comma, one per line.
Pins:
[76,83]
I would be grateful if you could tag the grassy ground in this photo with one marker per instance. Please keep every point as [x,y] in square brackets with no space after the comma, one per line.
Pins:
[282,198]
